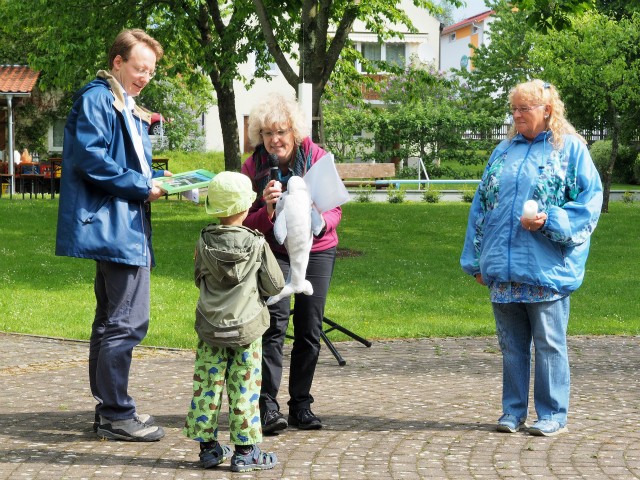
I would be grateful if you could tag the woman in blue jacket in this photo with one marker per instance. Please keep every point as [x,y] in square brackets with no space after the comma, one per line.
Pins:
[104,214]
[532,263]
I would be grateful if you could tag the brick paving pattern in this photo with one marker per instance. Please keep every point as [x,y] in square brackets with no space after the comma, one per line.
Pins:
[414,409]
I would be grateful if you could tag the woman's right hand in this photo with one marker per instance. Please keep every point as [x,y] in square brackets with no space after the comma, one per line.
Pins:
[479,279]
[270,195]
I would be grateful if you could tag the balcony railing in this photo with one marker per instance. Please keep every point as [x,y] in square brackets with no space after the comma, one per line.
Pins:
[369,93]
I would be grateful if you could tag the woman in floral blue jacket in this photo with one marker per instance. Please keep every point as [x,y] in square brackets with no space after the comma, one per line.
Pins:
[532,264]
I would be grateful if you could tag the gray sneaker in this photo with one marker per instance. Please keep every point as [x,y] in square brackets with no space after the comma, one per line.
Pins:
[130,430]
[143,417]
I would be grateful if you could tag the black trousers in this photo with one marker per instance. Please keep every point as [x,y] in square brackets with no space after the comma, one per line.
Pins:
[307,325]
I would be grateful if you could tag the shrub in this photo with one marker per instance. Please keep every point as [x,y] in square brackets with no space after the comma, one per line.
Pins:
[467,196]
[395,195]
[431,196]
[601,154]
[625,169]
[408,173]
[364,195]
[636,170]
[628,197]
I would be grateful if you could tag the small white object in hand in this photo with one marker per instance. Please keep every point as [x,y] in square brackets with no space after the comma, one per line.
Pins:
[193,195]
[530,209]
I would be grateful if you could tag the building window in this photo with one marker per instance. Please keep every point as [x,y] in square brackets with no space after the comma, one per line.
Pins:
[56,135]
[372,51]
[395,54]
[271,68]
[390,52]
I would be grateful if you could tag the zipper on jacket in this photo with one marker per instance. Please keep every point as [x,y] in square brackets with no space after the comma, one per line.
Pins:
[513,206]
[144,233]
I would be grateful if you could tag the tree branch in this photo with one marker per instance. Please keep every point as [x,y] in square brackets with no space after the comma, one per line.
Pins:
[339,40]
[272,44]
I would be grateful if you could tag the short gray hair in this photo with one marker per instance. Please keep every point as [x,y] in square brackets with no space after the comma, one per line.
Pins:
[277,109]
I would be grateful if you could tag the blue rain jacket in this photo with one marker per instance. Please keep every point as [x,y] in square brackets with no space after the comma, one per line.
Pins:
[565,184]
[102,213]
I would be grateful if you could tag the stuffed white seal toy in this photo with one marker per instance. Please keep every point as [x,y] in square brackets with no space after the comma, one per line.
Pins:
[296,222]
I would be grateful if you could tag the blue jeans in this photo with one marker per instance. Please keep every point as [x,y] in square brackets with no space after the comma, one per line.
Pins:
[544,324]
[120,323]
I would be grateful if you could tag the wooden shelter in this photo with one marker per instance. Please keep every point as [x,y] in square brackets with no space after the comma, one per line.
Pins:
[16,83]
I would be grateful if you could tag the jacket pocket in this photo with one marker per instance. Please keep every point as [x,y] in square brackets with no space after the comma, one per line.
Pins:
[89,215]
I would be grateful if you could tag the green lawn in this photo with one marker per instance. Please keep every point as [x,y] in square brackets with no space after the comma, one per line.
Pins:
[401,278]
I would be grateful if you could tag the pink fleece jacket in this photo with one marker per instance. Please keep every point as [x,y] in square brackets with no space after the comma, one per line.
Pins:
[259,220]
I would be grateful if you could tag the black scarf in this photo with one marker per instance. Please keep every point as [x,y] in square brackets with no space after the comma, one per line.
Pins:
[261,160]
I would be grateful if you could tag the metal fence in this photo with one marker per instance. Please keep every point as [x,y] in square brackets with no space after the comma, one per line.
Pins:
[500,133]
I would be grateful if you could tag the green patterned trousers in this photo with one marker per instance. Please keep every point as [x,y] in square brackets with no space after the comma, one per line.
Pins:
[240,368]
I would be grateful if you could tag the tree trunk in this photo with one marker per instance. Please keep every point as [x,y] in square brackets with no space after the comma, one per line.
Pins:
[615,141]
[228,124]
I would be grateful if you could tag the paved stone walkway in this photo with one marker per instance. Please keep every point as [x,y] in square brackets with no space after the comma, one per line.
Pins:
[417,409]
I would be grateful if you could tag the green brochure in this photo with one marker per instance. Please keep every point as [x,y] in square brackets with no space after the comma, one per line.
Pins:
[181,182]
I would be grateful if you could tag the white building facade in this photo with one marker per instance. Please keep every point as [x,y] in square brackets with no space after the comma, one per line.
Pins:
[456,40]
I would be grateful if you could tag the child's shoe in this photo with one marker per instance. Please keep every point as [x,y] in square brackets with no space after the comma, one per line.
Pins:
[254,460]
[214,456]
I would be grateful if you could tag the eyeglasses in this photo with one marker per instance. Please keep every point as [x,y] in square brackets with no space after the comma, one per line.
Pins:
[524,109]
[142,71]
[277,133]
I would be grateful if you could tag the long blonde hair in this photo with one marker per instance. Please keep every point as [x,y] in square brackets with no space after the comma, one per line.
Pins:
[539,92]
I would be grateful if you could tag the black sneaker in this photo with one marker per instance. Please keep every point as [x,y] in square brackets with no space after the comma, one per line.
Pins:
[144,418]
[305,420]
[273,421]
[129,430]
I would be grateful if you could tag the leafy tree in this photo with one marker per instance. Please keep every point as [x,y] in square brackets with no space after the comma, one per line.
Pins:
[425,114]
[618,8]
[72,44]
[215,37]
[33,115]
[502,62]
[182,129]
[201,37]
[626,167]
[445,17]
[346,126]
[321,28]
[598,75]
[549,15]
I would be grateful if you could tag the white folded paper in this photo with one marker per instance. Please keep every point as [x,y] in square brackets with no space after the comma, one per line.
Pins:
[324,184]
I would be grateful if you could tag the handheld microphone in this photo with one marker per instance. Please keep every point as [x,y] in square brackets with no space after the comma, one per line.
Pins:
[273,167]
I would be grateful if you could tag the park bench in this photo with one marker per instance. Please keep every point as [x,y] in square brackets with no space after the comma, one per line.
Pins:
[364,174]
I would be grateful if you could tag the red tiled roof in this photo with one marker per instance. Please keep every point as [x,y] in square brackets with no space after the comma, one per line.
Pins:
[467,21]
[17,79]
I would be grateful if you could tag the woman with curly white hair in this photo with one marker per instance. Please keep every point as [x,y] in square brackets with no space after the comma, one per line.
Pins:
[533,258]
[280,135]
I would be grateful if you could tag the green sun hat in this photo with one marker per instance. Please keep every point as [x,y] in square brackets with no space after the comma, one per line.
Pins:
[229,193]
